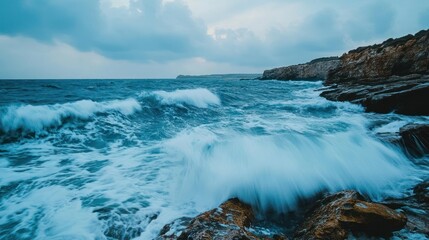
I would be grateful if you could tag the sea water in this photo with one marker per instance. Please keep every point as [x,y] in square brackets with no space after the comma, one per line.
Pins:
[119,159]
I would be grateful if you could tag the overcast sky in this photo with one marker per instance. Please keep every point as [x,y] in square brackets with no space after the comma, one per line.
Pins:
[164,38]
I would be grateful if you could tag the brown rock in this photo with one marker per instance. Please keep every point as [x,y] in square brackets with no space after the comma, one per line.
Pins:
[230,221]
[388,77]
[315,70]
[394,57]
[340,214]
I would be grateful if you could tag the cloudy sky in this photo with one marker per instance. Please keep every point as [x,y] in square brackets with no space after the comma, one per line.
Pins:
[164,38]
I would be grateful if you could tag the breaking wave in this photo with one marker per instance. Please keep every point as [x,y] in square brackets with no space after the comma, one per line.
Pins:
[199,97]
[274,172]
[30,118]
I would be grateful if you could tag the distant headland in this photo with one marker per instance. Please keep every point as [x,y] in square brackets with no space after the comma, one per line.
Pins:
[233,76]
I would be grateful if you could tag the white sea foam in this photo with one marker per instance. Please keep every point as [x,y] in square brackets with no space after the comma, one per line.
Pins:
[275,171]
[58,206]
[36,118]
[198,97]
[391,127]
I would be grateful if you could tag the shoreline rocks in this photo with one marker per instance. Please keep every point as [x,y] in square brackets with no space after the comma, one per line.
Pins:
[317,69]
[389,77]
[415,139]
[230,221]
[344,213]
[336,216]
[394,57]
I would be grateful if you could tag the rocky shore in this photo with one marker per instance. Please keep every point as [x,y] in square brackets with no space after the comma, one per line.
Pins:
[333,216]
[316,69]
[389,77]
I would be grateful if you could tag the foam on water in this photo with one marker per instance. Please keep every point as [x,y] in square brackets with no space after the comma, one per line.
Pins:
[37,118]
[199,97]
[100,174]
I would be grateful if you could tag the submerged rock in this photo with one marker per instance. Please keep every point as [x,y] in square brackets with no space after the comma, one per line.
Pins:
[341,214]
[388,77]
[315,70]
[415,139]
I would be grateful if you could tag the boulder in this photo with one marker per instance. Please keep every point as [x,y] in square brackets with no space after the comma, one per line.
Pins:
[415,139]
[389,77]
[317,69]
[346,212]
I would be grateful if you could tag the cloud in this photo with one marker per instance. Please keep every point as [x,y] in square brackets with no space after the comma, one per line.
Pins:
[143,31]
[369,21]
[243,35]
[24,58]
[424,17]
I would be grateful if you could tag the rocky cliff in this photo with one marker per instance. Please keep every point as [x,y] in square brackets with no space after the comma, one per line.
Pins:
[389,77]
[315,70]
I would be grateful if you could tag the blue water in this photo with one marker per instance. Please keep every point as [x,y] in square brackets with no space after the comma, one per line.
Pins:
[118,159]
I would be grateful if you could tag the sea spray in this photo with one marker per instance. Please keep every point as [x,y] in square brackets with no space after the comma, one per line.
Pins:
[35,118]
[103,168]
[273,172]
[199,97]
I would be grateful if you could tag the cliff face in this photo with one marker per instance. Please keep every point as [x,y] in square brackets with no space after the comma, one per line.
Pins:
[315,70]
[394,57]
[392,76]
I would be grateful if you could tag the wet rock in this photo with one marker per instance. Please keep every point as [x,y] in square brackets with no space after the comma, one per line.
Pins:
[416,208]
[230,221]
[415,139]
[315,70]
[388,77]
[173,229]
[421,192]
[344,213]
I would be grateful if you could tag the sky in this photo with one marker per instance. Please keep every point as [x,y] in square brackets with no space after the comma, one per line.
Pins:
[165,38]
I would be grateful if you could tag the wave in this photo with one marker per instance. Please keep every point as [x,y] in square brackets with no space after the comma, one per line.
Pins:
[274,172]
[198,97]
[30,118]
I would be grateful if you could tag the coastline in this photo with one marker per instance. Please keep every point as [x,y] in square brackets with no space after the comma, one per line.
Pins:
[398,83]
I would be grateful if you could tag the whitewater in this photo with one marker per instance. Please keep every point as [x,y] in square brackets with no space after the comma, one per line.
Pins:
[119,159]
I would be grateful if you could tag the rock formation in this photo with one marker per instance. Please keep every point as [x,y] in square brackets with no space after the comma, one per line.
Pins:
[334,217]
[341,214]
[415,139]
[388,77]
[315,70]
[230,221]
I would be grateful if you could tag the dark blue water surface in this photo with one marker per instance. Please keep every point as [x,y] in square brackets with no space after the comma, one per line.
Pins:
[118,159]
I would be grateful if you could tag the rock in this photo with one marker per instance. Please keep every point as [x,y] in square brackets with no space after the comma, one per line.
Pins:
[404,95]
[415,139]
[388,77]
[421,192]
[346,212]
[315,70]
[230,221]
[416,208]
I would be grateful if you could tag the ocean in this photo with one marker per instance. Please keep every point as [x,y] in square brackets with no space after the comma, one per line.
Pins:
[119,159]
